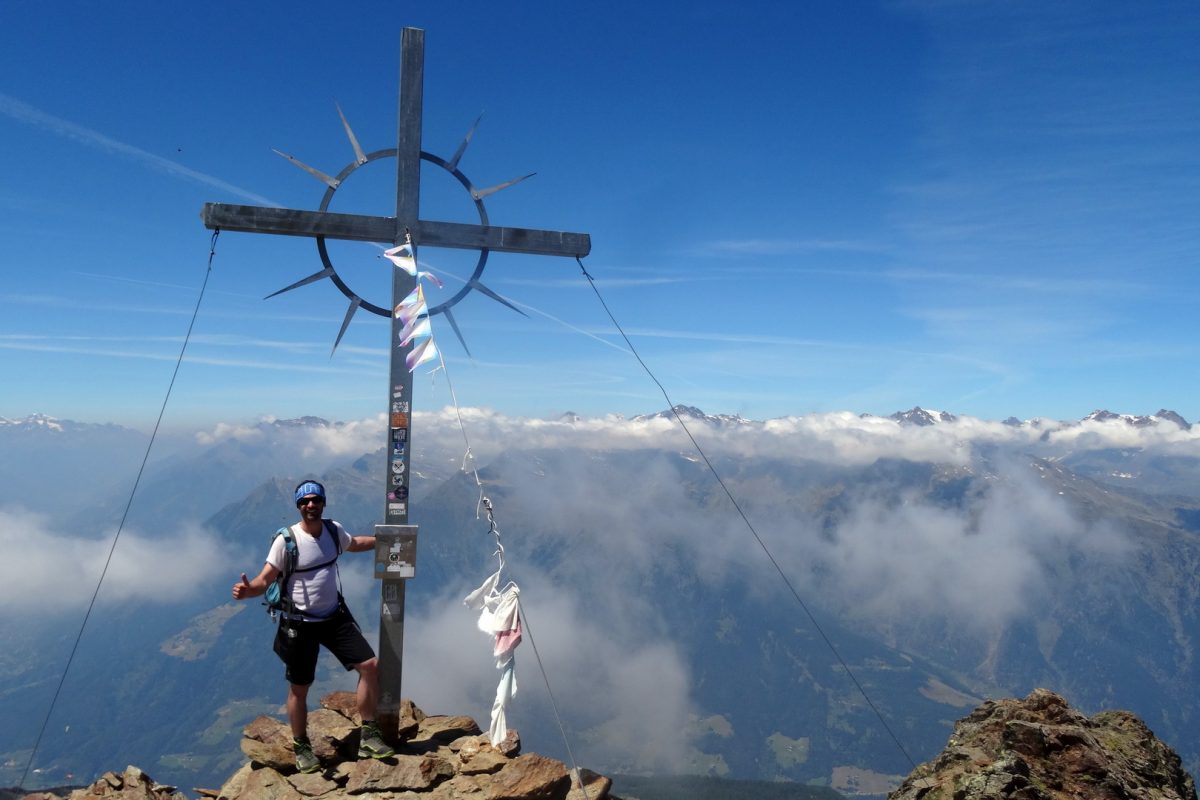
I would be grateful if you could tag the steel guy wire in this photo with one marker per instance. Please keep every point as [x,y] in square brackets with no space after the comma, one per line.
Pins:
[212,251]
[494,529]
[737,506]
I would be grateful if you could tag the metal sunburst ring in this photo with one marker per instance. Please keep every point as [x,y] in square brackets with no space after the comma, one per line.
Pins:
[333,183]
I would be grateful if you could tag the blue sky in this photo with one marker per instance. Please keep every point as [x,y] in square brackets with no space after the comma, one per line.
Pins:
[988,208]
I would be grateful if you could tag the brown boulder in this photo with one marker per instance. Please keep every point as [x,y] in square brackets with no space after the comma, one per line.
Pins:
[510,745]
[448,759]
[331,733]
[445,729]
[268,742]
[237,781]
[530,776]
[314,784]
[399,773]
[460,787]
[595,786]
[477,755]
[481,760]
[133,784]
[344,703]
[1039,748]
[410,719]
[265,783]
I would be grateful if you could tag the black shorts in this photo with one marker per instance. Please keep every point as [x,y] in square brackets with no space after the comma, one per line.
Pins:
[297,643]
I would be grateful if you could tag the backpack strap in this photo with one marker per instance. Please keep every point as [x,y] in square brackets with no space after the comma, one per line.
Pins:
[291,551]
[291,554]
[337,540]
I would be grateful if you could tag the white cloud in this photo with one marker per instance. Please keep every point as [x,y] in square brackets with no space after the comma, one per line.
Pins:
[1099,435]
[238,433]
[348,438]
[979,566]
[839,437]
[311,441]
[45,570]
[613,504]
[979,561]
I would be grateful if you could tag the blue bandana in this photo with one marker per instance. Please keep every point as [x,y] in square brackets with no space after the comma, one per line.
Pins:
[310,487]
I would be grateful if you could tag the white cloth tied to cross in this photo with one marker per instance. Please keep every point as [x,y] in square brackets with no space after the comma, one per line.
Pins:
[500,616]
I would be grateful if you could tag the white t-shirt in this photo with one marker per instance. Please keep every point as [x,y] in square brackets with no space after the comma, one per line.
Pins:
[314,593]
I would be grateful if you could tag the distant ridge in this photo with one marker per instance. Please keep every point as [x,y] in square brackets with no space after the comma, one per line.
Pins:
[916,415]
[39,423]
[1138,421]
[923,417]
[919,416]
[691,412]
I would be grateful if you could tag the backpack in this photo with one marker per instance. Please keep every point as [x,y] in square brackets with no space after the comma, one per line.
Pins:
[277,598]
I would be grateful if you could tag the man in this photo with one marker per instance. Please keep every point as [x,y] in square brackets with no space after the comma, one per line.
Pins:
[318,617]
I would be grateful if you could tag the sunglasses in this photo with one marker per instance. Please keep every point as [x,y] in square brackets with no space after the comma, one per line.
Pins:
[306,500]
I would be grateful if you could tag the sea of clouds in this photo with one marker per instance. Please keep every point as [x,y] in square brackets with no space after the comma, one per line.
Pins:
[601,637]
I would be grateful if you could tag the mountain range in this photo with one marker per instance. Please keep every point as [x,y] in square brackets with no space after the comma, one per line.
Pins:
[933,560]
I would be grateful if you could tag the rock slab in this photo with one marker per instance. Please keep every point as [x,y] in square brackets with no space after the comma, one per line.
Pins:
[1039,748]
[439,758]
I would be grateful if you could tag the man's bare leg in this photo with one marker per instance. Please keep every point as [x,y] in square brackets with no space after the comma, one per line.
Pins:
[368,689]
[297,708]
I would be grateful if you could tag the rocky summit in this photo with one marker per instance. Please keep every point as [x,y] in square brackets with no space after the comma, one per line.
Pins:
[1039,748]
[441,758]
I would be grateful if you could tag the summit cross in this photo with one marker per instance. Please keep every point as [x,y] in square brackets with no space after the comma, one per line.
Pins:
[395,556]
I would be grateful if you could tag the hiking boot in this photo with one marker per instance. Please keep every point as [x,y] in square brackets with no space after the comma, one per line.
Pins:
[306,759]
[371,743]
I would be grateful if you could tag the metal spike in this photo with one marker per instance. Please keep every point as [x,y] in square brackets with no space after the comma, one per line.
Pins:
[360,157]
[462,148]
[354,304]
[332,183]
[316,276]
[479,194]
[457,332]
[480,287]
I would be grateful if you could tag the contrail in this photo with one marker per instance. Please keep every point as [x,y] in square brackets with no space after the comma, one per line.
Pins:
[25,113]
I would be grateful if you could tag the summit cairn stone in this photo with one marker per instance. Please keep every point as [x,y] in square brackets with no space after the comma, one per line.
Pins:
[441,758]
[1039,748]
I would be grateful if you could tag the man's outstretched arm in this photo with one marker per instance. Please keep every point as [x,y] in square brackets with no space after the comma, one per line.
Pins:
[253,588]
[360,544]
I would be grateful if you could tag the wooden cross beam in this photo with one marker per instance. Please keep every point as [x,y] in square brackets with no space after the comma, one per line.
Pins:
[396,540]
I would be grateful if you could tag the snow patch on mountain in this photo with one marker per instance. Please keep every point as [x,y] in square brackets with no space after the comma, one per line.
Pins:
[689,413]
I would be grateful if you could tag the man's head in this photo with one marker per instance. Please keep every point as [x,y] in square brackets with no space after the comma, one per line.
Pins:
[310,494]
